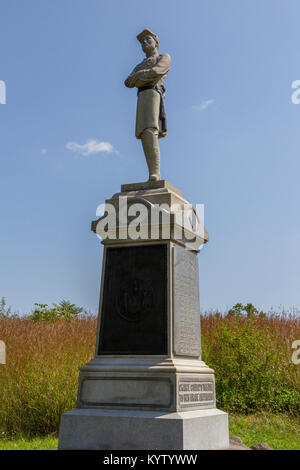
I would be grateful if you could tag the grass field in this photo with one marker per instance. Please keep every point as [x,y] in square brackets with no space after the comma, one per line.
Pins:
[36,443]
[251,358]
[281,432]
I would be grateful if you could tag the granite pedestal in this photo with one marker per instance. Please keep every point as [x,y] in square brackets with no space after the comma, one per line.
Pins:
[147,387]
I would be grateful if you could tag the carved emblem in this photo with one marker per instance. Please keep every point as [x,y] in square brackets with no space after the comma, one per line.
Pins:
[134,299]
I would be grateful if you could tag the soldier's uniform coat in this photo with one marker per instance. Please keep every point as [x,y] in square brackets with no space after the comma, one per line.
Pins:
[155,70]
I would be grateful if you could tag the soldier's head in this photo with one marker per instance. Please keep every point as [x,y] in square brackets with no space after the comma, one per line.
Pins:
[149,41]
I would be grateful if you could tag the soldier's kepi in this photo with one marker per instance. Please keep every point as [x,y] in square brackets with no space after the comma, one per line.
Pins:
[148,77]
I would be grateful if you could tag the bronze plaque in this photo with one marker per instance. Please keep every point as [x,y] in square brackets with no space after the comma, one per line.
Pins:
[134,307]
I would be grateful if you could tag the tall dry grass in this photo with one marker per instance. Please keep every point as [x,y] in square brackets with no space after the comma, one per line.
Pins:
[39,381]
[252,360]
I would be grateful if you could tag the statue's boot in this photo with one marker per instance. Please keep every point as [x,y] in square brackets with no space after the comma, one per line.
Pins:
[152,153]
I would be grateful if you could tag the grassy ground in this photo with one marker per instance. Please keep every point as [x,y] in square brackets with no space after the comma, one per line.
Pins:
[281,432]
[38,443]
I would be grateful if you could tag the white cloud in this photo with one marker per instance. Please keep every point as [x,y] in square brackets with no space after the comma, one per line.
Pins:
[2,92]
[91,147]
[204,105]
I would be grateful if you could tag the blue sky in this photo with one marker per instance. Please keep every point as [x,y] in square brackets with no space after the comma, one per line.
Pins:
[233,140]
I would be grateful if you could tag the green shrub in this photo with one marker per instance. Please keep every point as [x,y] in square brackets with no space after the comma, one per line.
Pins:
[63,311]
[4,311]
[240,310]
[251,366]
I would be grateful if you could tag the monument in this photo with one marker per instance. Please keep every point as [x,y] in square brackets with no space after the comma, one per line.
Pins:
[147,387]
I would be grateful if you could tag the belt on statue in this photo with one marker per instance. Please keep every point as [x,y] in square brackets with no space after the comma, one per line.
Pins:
[148,87]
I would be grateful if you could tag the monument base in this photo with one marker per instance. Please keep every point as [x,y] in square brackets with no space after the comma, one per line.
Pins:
[147,387]
[94,429]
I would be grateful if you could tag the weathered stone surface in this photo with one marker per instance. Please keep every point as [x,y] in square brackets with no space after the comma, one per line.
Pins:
[261,446]
[135,391]
[235,443]
[186,303]
[132,430]
[2,353]
[146,185]
[161,213]
[144,382]
[196,392]
[235,439]
[147,387]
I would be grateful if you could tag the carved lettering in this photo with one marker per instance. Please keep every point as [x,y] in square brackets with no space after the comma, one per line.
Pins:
[186,305]
[196,393]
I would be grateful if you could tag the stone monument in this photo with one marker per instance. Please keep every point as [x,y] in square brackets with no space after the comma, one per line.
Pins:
[147,387]
[148,77]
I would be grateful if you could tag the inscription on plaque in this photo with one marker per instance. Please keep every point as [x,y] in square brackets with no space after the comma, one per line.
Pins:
[186,304]
[196,393]
[134,307]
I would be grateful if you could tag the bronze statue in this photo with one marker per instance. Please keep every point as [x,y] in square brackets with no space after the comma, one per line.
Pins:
[148,77]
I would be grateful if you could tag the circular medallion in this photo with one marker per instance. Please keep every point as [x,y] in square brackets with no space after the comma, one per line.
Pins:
[134,299]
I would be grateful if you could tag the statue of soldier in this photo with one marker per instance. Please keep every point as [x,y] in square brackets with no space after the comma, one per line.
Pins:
[148,77]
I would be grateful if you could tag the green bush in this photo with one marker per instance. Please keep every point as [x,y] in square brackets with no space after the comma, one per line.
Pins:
[240,310]
[62,311]
[251,367]
[4,311]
